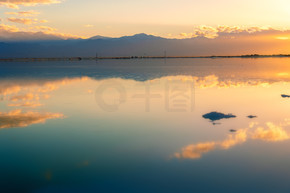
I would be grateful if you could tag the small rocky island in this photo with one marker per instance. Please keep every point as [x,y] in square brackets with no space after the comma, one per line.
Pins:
[285,96]
[215,116]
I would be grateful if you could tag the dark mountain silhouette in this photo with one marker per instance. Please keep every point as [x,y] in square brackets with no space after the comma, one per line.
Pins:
[136,45]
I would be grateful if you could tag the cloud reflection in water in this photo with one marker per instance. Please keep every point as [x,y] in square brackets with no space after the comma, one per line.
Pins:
[17,118]
[270,133]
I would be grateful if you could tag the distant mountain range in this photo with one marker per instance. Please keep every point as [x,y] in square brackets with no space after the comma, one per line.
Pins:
[99,38]
[138,45]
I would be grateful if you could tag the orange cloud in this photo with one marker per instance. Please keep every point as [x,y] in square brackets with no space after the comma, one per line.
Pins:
[17,118]
[195,151]
[23,13]
[43,21]
[7,28]
[272,133]
[26,21]
[234,32]
[28,96]
[9,90]
[26,104]
[43,86]
[63,35]
[13,33]
[14,4]
[53,85]
[233,140]
[45,28]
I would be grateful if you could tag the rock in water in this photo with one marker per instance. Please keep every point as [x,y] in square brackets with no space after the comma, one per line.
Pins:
[214,116]
[285,96]
[252,116]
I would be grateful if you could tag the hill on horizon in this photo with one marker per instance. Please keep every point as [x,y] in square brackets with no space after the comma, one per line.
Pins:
[142,45]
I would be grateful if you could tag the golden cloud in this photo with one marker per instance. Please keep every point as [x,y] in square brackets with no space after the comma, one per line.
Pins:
[41,86]
[26,21]
[17,118]
[9,90]
[43,21]
[13,33]
[233,140]
[272,133]
[25,97]
[8,28]
[45,28]
[63,35]
[23,13]
[26,104]
[185,35]
[14,4]
[53,85]
[28,94]
[195,151]
[214,32]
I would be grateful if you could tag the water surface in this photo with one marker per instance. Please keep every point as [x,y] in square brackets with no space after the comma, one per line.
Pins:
[138,126]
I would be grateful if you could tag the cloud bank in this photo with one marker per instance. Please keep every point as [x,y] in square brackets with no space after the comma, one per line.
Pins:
[25,21]
[231,31]
[195,151]
[17,118]
[23,13]
[14,4]
[12,33]
[271,133]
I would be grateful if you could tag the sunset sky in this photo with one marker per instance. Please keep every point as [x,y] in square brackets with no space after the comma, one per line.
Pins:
[115,18]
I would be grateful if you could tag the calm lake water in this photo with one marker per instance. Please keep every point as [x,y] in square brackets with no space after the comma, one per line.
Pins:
[137,126]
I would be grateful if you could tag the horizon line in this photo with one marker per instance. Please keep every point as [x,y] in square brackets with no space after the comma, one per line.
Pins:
[32,59]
